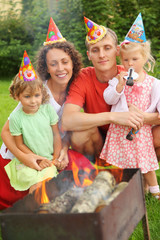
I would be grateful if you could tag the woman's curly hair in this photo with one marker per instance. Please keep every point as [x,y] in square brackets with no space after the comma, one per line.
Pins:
[68,48]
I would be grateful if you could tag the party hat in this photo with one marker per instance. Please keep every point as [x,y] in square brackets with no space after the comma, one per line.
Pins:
[136,32]
[53,34]
[26,71]
[95,32]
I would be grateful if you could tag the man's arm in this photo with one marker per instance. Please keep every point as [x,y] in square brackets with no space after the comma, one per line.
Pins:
[75,120]
[149,118]
[152,118]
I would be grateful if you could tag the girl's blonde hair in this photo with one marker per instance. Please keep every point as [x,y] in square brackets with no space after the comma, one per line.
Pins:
[145,49]
[18,86]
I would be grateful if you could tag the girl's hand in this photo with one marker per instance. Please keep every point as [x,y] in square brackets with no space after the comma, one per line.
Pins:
[122,81]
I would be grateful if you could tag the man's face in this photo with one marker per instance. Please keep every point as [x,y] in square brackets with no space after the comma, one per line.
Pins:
[103,54]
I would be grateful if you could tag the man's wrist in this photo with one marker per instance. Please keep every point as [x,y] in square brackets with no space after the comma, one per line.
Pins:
[151,118]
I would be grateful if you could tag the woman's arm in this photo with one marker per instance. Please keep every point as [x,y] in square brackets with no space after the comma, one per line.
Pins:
[63,158]
[20,144]
[57,145]
[62,161]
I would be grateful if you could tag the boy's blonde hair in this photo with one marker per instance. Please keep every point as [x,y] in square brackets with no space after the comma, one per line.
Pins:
[18,86]
[145,49]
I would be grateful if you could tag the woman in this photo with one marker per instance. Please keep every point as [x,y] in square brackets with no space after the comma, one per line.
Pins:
[58,63]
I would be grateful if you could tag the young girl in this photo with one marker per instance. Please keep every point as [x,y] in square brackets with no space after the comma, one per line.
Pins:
[35,129]
[138,153]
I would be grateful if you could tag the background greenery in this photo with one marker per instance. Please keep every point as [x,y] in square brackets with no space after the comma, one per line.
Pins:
[26,29]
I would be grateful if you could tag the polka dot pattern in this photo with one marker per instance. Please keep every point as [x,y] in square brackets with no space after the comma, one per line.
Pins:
[138,153]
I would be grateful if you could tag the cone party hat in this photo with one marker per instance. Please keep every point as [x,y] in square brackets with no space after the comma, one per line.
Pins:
[95,32]
[136,32]
[53,34]
[26,71]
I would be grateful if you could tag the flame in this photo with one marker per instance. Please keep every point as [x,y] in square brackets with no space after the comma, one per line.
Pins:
[40,193]
[44,197]
[86,180]
[75,174]
[102,165]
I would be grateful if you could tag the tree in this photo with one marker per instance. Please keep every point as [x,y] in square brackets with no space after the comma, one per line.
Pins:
[29,30]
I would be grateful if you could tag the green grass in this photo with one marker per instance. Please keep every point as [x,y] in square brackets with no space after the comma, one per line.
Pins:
[7,104]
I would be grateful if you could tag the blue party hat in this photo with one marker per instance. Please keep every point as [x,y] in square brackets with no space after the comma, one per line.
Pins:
[137,32]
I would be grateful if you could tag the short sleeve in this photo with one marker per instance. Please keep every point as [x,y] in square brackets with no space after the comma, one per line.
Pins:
[15,124]
[77,91]
[52,114]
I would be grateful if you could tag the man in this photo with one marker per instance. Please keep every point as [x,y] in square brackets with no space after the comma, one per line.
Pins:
[88,128]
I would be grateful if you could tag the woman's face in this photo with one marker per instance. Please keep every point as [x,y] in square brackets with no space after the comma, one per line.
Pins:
[60,66]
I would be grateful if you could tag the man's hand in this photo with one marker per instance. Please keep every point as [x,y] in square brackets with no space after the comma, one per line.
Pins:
[133,108]
[132,119]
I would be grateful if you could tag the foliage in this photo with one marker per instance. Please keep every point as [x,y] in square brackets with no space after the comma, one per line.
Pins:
[69,13]
[14,39]
[29,29]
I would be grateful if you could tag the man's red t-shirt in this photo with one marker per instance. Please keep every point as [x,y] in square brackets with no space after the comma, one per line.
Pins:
[87,92]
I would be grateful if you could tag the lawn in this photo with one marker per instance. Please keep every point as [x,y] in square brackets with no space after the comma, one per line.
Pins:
[7,104]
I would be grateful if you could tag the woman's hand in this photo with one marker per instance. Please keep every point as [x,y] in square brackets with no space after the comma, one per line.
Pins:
[62,161]
[44,163]
[34,161]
